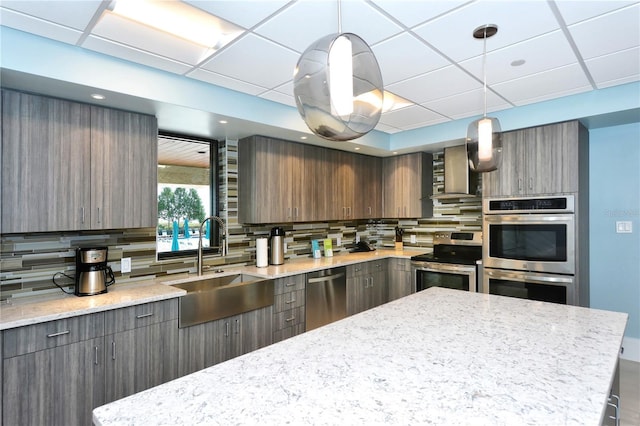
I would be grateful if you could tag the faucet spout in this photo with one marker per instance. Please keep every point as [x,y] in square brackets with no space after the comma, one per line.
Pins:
[223,240]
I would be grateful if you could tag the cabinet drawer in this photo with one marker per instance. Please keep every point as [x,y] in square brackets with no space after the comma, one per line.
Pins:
[290,300]
[292,317]
[285,333]
[365,268]
[286,284]
[37,337]
[400,264]
[118,320]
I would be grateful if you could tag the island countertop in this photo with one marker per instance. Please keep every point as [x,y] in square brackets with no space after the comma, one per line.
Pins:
[436,357]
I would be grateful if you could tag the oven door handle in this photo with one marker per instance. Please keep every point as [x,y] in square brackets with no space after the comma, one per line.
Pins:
[446,268]
[529,278]
[529,218]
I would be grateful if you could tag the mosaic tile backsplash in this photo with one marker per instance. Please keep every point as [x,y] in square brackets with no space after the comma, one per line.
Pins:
[29,261]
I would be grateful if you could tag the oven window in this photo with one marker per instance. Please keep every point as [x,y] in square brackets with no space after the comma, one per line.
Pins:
[529,242]
[531,291]
[427,279]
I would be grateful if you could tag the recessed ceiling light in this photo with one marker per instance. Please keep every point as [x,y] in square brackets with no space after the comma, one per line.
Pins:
[395,152]
[303,138]
[97,96]
[357,148]
[518,62]
[223,121]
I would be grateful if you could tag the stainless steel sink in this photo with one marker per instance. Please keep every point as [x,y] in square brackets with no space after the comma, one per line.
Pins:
[209,299]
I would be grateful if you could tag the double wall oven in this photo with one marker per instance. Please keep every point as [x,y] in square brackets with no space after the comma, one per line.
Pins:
[453,263]
[529,248]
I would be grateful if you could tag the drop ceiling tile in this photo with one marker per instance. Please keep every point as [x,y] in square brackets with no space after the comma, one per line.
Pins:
[573,11]
[516,21]
[409,116]
[412,13]
[617,68]
[546,85]
[272,95]
[386,128]
[397,64]
[134,55]
[57,11]
[301,24]
[609,33]
[542,53]
[224,81]
[244,13]
[437,84]
[37,26]
[286,88]
[367,22]
[467,104]
[142,37]
[255,60]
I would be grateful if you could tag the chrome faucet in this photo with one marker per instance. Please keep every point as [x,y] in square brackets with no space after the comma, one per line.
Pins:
[222,249]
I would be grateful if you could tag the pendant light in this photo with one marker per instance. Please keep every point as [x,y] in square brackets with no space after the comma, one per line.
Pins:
[484,140]
[334,83]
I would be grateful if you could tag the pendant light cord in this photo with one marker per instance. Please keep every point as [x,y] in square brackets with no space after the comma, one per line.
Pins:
[484,70]
[339,18]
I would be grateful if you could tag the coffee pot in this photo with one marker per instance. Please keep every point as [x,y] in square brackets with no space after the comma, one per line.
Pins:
[93,275]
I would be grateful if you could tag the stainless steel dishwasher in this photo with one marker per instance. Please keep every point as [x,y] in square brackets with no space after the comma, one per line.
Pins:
[326,297]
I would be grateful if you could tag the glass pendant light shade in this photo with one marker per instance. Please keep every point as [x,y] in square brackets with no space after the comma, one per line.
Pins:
[484,144]
[337,86]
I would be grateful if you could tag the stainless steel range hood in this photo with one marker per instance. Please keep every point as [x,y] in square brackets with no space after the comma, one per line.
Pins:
[459,181]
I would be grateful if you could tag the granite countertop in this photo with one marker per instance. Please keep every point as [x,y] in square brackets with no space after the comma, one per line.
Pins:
[53,306]
[438,356]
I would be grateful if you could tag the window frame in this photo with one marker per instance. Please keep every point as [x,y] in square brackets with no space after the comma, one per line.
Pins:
[214,208]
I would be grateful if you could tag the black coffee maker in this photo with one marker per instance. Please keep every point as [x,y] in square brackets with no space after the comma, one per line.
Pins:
[93,275]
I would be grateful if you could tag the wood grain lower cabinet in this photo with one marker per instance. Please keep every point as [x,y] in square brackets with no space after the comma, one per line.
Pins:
[53,372]
[289,307]
[57,372]
[400,278]
[141,346]
[366,286]
[204,345]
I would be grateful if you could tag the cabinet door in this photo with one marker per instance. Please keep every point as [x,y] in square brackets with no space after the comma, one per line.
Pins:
[505,180]
[141,358]
[367,187]
[408,185]
[343,184]
[400,279]
[310,194]
[58,386]
[553,164]
[45,164]
[356,294]
[256,329]
[123,169]
[392,187]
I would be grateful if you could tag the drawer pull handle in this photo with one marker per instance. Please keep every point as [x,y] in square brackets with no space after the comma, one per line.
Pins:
[290,319]
[113,350]
[289,284]
[60,333]
[95,348]
[290,301]
[149,314]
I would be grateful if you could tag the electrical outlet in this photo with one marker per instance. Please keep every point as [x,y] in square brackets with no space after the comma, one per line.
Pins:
[285,248]
[357,238]
[125,265]
[338,241]
[624,227]
[413,238]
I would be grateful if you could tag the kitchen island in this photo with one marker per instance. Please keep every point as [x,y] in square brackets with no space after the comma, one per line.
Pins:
[436,357]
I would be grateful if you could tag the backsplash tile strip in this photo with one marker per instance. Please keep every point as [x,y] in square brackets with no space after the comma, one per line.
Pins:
[29,261]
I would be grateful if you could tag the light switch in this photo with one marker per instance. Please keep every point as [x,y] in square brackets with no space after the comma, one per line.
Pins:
[413,238]
[125,265]
[338,241]
[357,238]
[624,227]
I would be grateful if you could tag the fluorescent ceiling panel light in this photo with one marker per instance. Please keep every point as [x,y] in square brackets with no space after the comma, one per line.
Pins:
[176,18]
[390,101]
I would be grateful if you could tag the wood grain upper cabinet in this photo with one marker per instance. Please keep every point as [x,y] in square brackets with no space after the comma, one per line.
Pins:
[538,161]
[71,166]
[266,170]
[124,158]
[46,147]
[408,185]
[367,187]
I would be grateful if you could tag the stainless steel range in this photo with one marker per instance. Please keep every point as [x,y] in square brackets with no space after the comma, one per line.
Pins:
[454,262]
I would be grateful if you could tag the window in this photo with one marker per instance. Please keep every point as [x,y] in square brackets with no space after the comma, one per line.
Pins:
[187,193]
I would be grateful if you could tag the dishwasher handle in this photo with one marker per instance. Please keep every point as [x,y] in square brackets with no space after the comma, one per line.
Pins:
[325,278]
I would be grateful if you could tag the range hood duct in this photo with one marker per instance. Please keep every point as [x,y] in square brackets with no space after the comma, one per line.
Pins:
[459,181]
